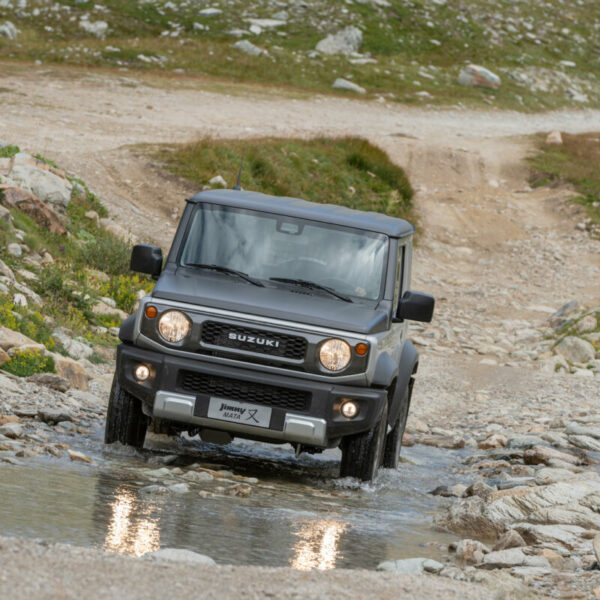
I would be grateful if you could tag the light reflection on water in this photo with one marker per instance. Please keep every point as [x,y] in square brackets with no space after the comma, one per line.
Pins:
[127,533]
[297,514]
[317,547]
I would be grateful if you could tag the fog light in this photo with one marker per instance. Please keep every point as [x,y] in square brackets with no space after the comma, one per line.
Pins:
[349,409]
[142,372]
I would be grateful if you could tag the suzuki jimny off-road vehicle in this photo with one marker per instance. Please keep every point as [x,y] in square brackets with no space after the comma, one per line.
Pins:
[278,320]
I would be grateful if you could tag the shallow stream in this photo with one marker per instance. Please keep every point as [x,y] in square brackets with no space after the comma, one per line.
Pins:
[298,514]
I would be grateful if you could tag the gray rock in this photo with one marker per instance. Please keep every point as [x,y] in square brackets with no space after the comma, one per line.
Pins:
[411,566]
[450,491]
[11,430]
[471,552]
[588,323]
[557,318]
[50,380]
[47,186]
[5,215]
[7,29]
[477,76]
[568,536]
[180,555]
[179,488]
[249,48]
[343,84]
[346,41]
[198,476]
[481,489]
[549,475]
[509,539]
[6,271]
[96,28]
[576,429]
[54,416]
[586,442]
[596,545]
[576,350]
[549,456]
[218,180]
[513,557]
[14,249]
[210,12]
[523,442]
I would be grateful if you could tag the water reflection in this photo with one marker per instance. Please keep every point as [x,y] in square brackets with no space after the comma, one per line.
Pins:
[129,533]
[317,547]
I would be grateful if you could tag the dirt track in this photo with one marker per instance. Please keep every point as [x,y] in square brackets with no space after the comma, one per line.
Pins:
[492,250]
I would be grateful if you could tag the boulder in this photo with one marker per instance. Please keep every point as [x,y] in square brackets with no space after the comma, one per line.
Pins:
[13,339]
[5,215]
[8,30]
[77,348]
[585,442]
[558,318]
[15,250]
[411,566]
[249,48]
[569,536]
[346,41]
[513,557]
[35,177]
[343,84]
[72,371]
[543,455]
[29,204]
[53,416]
[182,556]
[576,429]
[576,350]
[11,430]
[467,517]
[477,76]
[588,323]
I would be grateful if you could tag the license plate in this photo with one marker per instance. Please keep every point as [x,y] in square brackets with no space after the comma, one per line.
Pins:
[239,412]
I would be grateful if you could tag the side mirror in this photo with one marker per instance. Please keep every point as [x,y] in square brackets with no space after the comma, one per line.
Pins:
[415,306]
[146,259]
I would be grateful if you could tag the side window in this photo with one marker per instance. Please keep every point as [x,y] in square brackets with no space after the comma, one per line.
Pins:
[400,278]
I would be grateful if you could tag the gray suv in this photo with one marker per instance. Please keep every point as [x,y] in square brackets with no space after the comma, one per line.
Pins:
[278,320]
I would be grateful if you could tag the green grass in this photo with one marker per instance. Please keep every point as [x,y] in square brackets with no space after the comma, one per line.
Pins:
[576,162]
[418,46]
[9,151]
[29,362]
[89,263]
[346,171]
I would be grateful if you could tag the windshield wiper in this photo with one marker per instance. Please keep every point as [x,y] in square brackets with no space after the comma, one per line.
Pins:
[311,285]
[227,270]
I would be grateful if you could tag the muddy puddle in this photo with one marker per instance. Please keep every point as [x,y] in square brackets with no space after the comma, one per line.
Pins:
[298,514]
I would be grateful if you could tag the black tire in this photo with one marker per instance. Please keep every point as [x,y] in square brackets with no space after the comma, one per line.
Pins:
[393,440]
[362,454]
[125,421]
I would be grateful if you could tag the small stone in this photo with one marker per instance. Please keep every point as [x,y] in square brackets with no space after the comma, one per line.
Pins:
[481,489]
[588,323]
[585,442]
[14,249]
[471,552]
[411,566]
[249,48]
[159,473]
[576,350]
[346,41]
[181,555]
[243,490]
[210,12]
[179,488]
[493,442]
[453,491]
[198,476]
[543,455]
[79,456]
[11,430]
[343,84]
[218,181]
[554,138]
[8,30]
[96,28]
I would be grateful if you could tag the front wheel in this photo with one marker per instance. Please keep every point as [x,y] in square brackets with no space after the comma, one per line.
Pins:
[125,421]
[362,454]
[393,441]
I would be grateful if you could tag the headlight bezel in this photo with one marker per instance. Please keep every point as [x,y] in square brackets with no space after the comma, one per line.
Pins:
[343,346]
[185,321]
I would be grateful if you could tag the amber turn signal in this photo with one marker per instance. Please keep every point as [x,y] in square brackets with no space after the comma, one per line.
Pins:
[361,349]
[151,311]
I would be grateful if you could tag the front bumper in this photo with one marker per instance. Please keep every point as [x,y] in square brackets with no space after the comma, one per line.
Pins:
[303,411]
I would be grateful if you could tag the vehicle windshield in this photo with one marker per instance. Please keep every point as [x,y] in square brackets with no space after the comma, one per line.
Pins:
[266,246]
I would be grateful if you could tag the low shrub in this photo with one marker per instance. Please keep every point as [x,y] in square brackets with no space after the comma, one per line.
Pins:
[29,362]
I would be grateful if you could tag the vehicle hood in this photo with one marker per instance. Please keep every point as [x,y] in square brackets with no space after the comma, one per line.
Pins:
[217,290]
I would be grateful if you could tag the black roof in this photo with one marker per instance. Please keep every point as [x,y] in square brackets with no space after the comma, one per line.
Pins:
[293,207]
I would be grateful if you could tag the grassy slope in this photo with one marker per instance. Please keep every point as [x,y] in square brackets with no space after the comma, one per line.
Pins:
[348,171]
[506,36]
[89,263]
[575,161]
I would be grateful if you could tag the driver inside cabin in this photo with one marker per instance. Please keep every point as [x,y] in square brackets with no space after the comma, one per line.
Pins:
[263,245]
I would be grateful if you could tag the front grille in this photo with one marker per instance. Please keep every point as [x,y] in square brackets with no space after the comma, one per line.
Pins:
[253,340]
[245,391]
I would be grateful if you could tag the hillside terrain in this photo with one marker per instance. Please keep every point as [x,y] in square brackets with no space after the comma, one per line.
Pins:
[546,54]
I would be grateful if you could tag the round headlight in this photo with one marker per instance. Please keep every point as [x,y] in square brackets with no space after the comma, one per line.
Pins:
[173,326]
[335,355]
